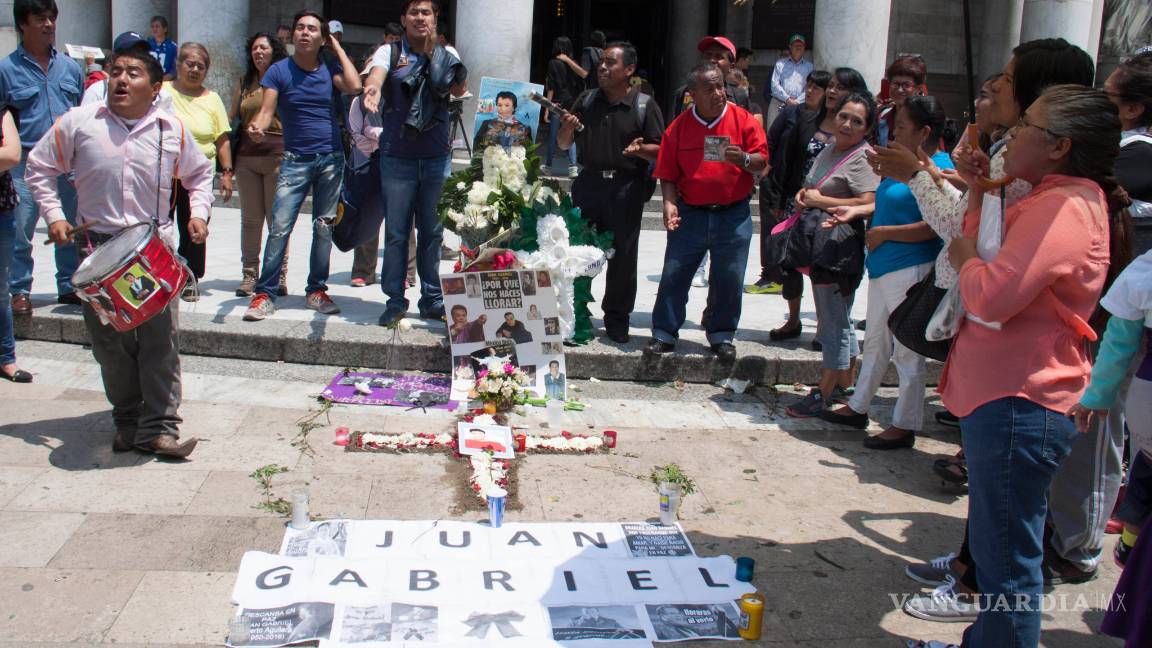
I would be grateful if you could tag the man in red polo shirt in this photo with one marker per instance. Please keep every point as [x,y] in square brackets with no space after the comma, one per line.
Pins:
[709,159]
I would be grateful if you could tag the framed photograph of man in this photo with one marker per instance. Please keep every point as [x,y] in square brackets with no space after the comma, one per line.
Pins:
[505,116]
[511,314]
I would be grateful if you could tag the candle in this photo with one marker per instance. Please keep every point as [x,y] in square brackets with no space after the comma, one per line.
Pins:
[744,569]
[610,438]
[342,436]
[521,442]
[300,519]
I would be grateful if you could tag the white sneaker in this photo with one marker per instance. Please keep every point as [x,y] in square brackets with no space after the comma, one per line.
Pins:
[943,605]
[574,171]
[934,572]
[700,280]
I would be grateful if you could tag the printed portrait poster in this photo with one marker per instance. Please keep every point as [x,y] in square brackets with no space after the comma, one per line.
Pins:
[687,621]
[579,622]
[504,114]
[286,625]
[510,314]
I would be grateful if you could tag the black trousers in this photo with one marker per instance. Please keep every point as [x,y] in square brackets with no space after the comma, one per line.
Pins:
[181,213]
[792,282]
[615,205]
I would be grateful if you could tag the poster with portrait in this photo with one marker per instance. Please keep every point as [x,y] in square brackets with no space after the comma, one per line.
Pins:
[504,113]
[509,314]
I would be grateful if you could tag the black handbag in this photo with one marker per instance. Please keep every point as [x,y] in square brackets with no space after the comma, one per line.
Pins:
[9,199]
[792,248]
[361,207]
[909,321]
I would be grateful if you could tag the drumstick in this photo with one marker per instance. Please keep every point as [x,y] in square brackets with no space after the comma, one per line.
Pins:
[74,231]
[553,108]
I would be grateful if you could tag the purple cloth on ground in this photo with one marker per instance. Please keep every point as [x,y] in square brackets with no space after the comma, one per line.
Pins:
[1129,614]
[399,393]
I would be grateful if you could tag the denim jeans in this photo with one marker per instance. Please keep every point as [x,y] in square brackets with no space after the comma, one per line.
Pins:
[27,214]
[1014,447]
[323,174]
[553,132]
[411,190]
[834,327]
[7,338]
[726,234]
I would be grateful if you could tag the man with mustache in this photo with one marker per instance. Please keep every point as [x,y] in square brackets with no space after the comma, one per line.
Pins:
[622,128]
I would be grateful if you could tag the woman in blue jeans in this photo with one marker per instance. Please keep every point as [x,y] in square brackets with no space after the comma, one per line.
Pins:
[9,157]
[1061,243]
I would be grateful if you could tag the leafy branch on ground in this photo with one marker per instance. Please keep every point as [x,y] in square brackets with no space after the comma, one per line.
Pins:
[263,476]
[309,422]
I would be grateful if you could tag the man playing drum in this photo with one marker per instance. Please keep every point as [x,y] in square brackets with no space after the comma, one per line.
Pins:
[124,154]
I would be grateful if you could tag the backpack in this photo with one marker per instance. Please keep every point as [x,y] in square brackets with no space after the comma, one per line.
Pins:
[361,209]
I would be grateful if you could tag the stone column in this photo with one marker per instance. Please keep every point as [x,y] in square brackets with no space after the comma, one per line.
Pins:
[851,33]
[9,34]
[136,15]
[83,22]
[493,42]
[1072,20]
[222,27]
[689,25]
[998,34]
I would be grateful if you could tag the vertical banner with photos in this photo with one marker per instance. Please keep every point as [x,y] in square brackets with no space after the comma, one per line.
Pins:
[505,115]
[505,313]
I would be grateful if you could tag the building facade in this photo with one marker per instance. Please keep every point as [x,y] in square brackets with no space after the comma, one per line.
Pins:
[513,38]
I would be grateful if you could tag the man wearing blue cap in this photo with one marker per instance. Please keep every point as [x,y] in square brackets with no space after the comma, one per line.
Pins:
[38,85]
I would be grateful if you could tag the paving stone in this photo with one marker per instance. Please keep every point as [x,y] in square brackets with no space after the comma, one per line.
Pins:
[238,494]
[180,606]
[14,479]
[31,539]
[167,542]
[62,605]
[156,492]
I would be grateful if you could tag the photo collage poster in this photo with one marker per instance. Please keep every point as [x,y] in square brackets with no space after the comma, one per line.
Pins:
[507,101]
[511,314]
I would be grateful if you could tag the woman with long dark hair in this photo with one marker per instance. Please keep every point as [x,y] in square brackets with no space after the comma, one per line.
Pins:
[562,85]
[811,135]
[257,164]
[1130,88]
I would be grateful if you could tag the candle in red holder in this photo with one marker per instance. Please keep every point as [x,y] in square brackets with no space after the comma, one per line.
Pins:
[341,436]
[521,442]
[610,438]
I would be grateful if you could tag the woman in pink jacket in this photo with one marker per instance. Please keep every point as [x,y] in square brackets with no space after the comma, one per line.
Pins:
[1041,288]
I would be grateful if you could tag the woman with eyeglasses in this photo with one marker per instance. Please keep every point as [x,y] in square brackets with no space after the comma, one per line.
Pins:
[905,78]
[203,114]
[814,131]
[1042,287]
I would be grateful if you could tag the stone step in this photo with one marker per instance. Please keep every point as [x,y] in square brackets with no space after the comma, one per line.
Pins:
[424,348]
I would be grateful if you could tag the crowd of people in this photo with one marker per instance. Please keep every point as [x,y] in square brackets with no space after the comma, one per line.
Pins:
[1012,240]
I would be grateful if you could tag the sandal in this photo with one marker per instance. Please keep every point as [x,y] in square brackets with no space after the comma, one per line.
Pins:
[18,376]
[953,470]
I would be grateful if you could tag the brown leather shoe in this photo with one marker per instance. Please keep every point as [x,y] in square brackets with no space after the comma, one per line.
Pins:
[168,445]
[124,441]
[21,305]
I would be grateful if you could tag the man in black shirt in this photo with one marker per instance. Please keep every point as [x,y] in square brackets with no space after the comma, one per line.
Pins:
[721,52]
[621,136]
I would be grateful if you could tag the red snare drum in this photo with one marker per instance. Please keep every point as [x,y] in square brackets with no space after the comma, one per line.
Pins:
[131,278]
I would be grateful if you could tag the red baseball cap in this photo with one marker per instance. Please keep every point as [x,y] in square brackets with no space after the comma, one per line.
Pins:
[709,41]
